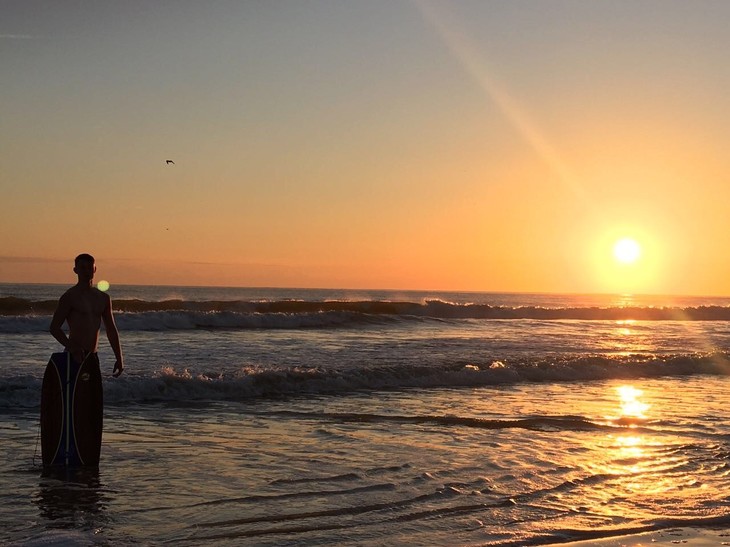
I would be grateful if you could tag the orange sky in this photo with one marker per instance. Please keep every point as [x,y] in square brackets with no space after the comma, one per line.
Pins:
[409,145]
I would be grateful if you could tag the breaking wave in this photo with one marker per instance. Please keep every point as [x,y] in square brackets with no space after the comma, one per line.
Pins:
[181,386]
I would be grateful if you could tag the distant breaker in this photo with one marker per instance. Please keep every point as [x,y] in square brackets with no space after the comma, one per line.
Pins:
[23,316]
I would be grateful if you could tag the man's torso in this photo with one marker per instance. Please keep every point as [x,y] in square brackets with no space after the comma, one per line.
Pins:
[84,319]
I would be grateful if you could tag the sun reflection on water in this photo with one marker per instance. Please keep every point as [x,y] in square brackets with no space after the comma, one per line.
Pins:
[631,405]
[639,461]
[627,452]
[626,337]
[624,327]
[632,410]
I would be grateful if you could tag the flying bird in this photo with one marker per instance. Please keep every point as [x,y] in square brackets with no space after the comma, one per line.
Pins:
[168,162]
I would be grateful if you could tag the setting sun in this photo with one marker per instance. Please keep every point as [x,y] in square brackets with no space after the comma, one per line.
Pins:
[627,250]
[629,259]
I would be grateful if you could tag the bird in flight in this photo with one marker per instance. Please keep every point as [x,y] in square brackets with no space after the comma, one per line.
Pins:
[168,162]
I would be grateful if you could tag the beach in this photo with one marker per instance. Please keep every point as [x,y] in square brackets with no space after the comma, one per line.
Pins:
[384,273]
[326,424]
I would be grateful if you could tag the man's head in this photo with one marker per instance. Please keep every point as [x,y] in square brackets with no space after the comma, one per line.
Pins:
[85,266]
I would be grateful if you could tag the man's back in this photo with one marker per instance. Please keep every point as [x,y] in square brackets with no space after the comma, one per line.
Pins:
[85,307]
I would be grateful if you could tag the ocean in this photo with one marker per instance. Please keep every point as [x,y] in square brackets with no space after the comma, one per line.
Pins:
[325,417]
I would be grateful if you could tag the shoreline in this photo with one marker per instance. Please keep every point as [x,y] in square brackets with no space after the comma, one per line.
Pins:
[697,537]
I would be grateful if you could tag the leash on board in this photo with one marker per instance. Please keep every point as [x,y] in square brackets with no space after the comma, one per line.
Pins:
[37,442]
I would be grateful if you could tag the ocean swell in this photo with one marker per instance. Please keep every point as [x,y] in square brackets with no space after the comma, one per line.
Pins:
[18,315]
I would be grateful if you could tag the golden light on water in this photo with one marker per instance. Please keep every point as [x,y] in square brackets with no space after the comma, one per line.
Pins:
[624,327]
[628,455]
[641,460]
[631,405]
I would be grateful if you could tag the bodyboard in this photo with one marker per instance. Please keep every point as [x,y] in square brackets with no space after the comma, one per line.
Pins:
[72,407]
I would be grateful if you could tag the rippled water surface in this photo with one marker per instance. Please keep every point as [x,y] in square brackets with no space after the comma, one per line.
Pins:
[525,464]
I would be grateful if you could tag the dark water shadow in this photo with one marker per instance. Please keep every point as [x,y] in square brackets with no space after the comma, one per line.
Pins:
[72,498]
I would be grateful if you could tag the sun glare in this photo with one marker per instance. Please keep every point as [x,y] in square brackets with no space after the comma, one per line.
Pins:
[627,250]
[631,405]
[627,260]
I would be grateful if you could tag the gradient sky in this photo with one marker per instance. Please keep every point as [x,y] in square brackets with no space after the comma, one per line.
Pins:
[461,145]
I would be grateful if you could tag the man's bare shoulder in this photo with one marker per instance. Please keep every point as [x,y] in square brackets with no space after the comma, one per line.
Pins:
[70,294]
[101,295]
[75,294]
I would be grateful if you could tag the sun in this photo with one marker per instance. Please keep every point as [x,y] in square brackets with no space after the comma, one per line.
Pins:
[627,250]
[628,259]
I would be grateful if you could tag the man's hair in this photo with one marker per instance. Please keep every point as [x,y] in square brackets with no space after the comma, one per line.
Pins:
[85,257]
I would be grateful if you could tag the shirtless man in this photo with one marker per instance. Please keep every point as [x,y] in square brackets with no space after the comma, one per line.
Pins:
[84,307]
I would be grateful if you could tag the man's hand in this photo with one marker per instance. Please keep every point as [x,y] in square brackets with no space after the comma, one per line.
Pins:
[118,369]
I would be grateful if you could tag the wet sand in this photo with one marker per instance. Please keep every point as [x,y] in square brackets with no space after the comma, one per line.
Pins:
[672,536]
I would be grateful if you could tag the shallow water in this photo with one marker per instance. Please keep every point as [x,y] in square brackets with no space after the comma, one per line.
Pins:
[518,465]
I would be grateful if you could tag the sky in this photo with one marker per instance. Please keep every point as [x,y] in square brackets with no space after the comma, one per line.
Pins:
[387,144]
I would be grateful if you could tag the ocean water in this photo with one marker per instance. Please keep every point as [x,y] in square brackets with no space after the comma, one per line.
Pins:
[303,417]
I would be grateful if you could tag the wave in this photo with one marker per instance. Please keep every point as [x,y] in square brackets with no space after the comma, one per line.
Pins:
[182,387]
[534,423]
[18,315]
[190,320]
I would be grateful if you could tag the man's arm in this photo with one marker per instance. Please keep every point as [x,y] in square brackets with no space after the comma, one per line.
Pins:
[59,317]
[112,335]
